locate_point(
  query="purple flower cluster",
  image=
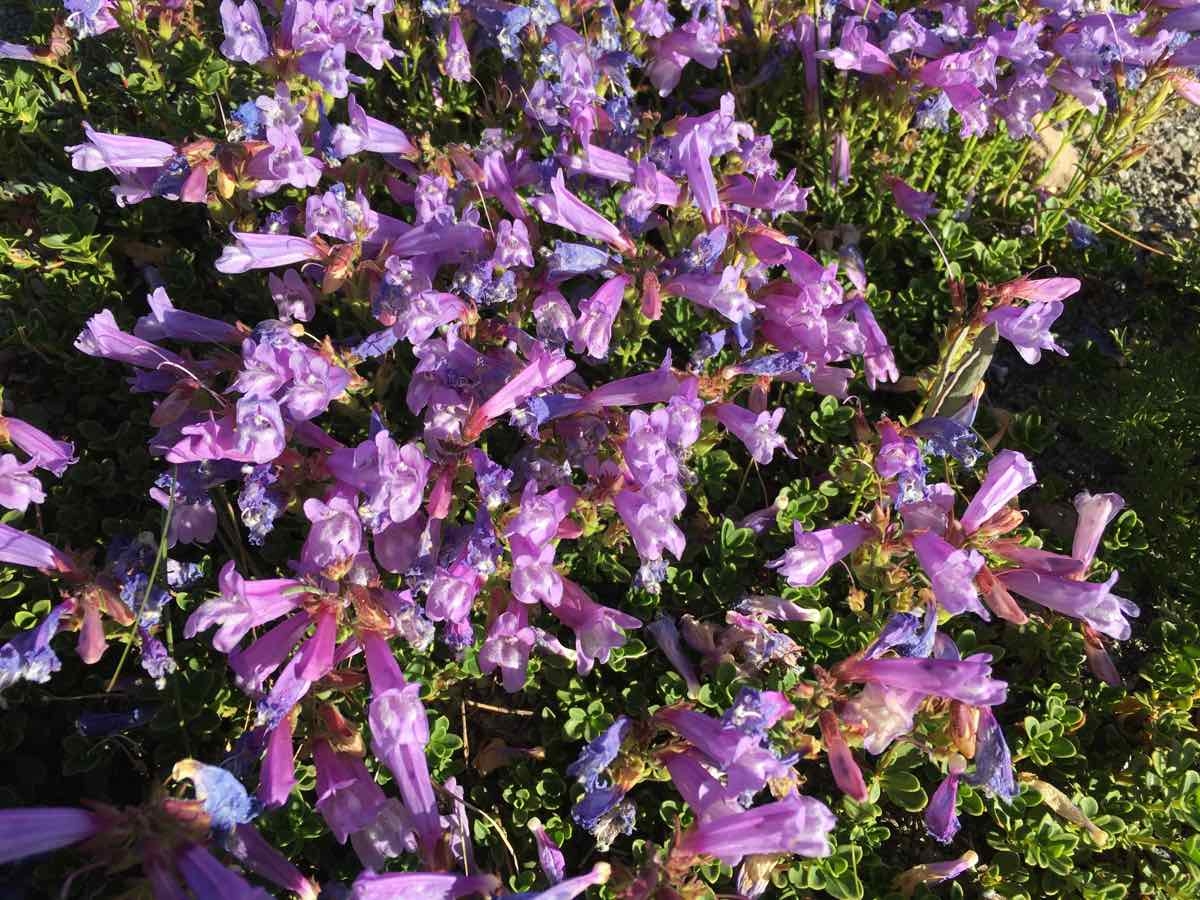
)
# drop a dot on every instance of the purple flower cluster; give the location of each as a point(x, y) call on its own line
point(955, 58)
point(503, 277)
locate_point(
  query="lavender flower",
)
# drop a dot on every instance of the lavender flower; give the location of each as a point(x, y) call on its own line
point(815, 552)
point(245, 38)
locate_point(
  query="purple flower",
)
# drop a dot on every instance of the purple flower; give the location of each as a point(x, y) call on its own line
point(935, 873)
point(772, 607)
point(284, 162)
point(598, 629)
point(1093, 603)
point(855, 53)
point(336, 533)
point(589, 768)
point(899, 457)
point(289, 689)
point(1039, 290)
point(47, 453)
point(22, 52)
point(367, 133)
point(694, 154)
point(435, 886)
point(278, 775)
point(399, 735)
point(993, 761)
point(241, 606)
point(102, 337)
point(458, 56)
point(652, 18)
point(724, 293)
point(766, 192)
point(39, 829)
point(1008, 474)
point(576, 886)
point(512, 244)
point(1028, 329)
point(736, 749)
point(1095, 511)
point(29, 656)
point(507, 646)
point(245, 38)
point(883, 713)
point(550, 857)
point(666, 635)
point(534, 579)
point(292, 295)
point(543, 371)
point(846, 773)
point(328, 68)
point(651, 527)
point(703, 792)
point(249, 847)
point(941, 821)
point(389, 836)
point(207, 877)
point(347, 797)
point(913, 203)
point(118, 152)
point(816, 551)
point(947, 437)
point(969, 680)
point(795, 824)
point(452, 593)
point(592, 331)
point(260, 433)
point(878, 358)
point(167, 322)
point(758, 431)
point(265, 251)
point(18, 486)
point(564, 209)
point(18, 548)
point(604, 811)
point(695, 41)
point(952, 573)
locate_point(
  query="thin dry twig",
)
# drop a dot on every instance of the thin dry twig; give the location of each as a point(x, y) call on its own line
point(487, 707)
point(516, 864)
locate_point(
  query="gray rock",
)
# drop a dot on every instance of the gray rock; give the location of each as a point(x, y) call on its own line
point(1165, 183)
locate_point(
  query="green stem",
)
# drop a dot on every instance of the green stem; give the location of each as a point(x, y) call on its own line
point(964, 157)
point(159, 556)
point(73, 78)
point(988, 156)
point(182, 720)
point(1016, 171)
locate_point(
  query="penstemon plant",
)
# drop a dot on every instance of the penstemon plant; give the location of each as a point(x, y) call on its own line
point(487, 440)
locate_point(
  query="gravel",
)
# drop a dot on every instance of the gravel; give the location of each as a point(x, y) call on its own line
point(1165, 183)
